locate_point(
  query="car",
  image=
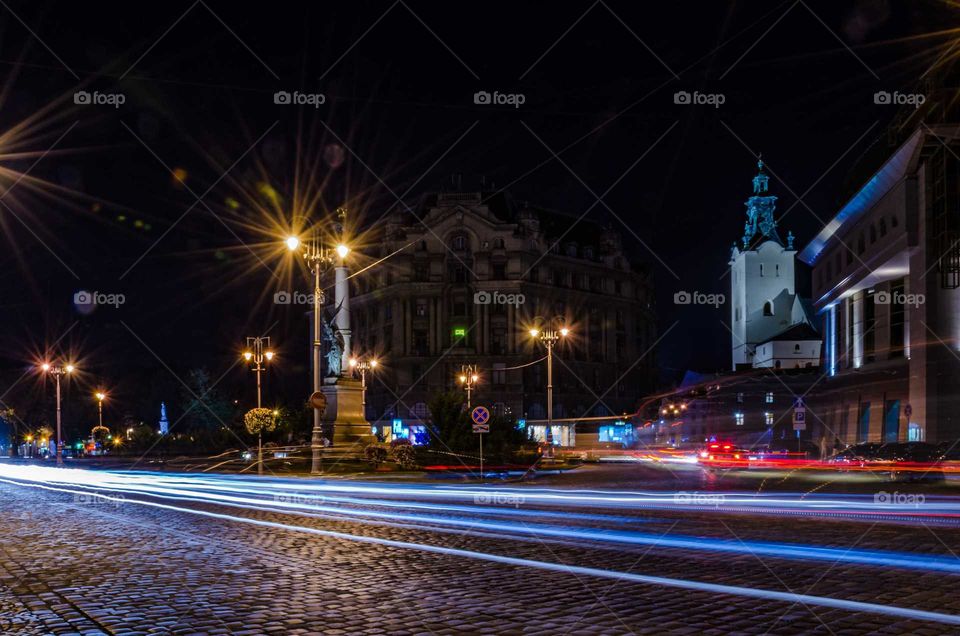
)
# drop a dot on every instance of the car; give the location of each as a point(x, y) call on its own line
point(855, 456)
point(723, 455)
point(910, 461)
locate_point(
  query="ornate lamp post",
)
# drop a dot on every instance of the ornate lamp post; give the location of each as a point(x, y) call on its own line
point(363, 366)
point(56, 371)
point(549, 338)
point(101, 396)
point(468, 378)
point(319, 259)
point(255, 353)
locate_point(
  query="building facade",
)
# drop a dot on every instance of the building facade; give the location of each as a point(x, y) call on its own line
point(886, 281)
point(472, 273)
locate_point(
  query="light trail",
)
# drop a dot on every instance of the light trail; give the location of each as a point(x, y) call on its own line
point(700, 586)
point(229, 495)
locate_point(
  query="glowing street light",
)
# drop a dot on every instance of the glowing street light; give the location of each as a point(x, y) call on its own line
point(363, 366)
point(319, 258)
point(57, 371)
point(549, 338)
point(101, 396)
point(468, 378)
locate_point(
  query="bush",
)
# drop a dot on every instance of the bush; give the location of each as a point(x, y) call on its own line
point(404, 453)
point(375, 454)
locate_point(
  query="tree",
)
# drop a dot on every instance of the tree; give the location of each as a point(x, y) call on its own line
point(257, 421)
point(204, 409)
point(451, 423)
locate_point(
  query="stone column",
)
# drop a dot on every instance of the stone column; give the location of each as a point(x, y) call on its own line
point(341, 303)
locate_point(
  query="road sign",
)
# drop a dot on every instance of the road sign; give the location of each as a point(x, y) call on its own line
point(481, 419)
point(800, 419)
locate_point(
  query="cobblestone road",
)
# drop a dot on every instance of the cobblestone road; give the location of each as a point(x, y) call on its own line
point(74, 563)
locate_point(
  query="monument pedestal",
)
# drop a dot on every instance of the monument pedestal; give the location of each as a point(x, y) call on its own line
point(344, 413)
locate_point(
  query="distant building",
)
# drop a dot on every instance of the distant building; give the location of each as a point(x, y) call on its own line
point(477, 270)
point(765, 310)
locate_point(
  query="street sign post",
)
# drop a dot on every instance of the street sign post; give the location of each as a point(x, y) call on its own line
point(799, 420)
point(481, 424)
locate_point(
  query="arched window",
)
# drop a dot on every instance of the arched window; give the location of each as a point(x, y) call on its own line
point(459, 242)
point(768, 308)
point(796, 348)
point(777, 269)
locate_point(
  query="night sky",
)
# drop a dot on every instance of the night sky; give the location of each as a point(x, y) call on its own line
point(101, 210)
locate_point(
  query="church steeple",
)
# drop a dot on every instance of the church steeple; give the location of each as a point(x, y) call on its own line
point(760, 208)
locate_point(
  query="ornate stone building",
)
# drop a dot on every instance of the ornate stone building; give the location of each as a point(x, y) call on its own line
point(474, 272)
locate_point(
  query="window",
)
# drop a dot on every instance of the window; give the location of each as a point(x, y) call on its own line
point(873, 234)
point(769, 397)
point(883, 227)
point(777, 268)
point(739, 398)
point(421, 272)
point(420, 411)
point(571, 249)
point(499, 376)
point(421, 345)
point(893, 221)
point(738, 418)
point(761, 269)
point(588, 253)
point(861, 244)
point(499, 271)
point(768, 419)
point(459, 242)
point(796, 348)
point(498, 243)
point(768, 308)
point(421, 307)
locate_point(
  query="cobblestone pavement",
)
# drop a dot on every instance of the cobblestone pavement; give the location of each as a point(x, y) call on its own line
point(75, 563)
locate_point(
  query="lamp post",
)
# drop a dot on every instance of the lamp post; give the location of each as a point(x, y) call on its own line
point(255, 353)
point(319, 259)
point(100, 395)
point(468, 377)
point(549, 338)
point(56, 371)
point(363, 366)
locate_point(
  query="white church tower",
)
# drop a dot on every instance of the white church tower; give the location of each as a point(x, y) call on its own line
point(763, 300)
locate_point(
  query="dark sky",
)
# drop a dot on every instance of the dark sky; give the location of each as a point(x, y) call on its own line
point(599, 79)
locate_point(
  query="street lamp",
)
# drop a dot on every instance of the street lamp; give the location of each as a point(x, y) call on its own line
point(319, 259)
point(258, 350)
point(468, 377)
point(56, 371)
point(549, 338)
point(101, 396)
point(255, 353)
point(363, 366)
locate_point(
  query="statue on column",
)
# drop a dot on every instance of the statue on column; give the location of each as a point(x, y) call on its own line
point(334, 339)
